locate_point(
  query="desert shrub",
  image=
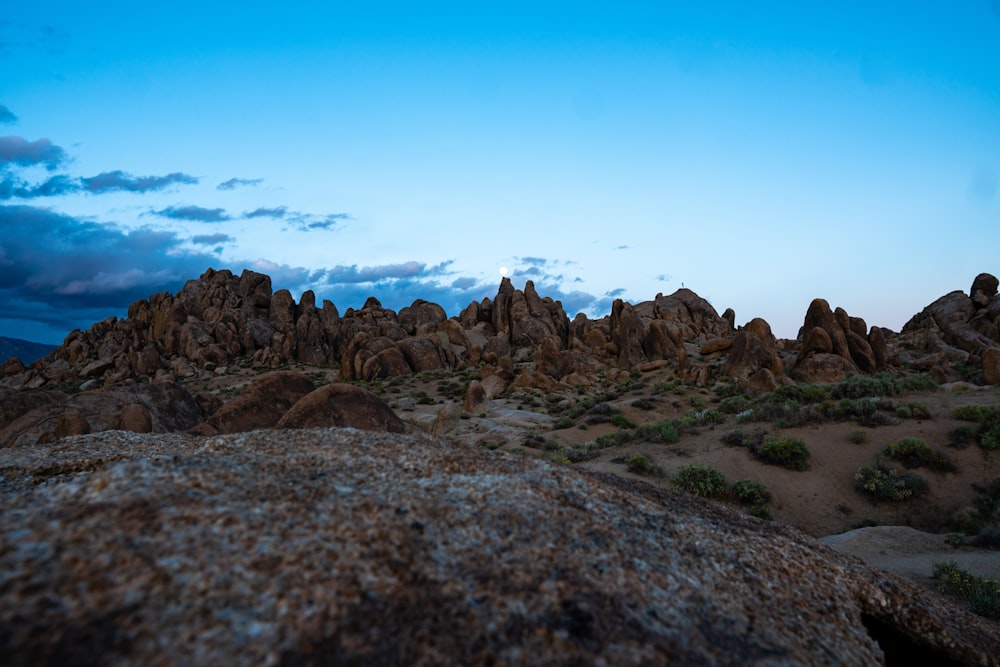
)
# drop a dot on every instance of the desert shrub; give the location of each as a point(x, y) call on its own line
point(790, 453)
point(619, 420)
point(740, 438)
point(919, 382)
point(728, 390)
point(761, 512)
point(858, 436)
point(913, 410)
point(643, 404)
point(803, 415)
point(614, 439)
point(696, 402)
point(915, 453)
point(640, 464)
point(991, 438)
point(976, 413)
point(861, 386)
point(788, 392)
point(663, 431)
point(881, 483)
point(563, 422)
point(980, 594)
point(701, 480)
point(877, 419)
point(733, 438)
point(962, 436)
point(772, 411)
point(734, 404)
point(750, 492)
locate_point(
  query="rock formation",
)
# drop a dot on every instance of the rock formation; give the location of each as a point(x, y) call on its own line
point(956, 330)
point(333, 546)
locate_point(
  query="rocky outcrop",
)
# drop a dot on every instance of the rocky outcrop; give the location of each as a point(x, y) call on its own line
point(342, 405)
point(157, 408)
point(336, 546)
point(956, 330)
point(755, 349)
point(261, 405)
point(833, 345)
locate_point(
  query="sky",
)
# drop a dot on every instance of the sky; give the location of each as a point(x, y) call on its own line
point(761, 154)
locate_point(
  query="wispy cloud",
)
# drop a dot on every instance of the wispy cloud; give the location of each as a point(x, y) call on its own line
point(278, 212)
point(234, 183)
point(119, 180)
point(19, 151)
point(6, 116)
point(11, 188)
point(211, 239)
point(615, 293)
point(194, 213)
point(306, 222)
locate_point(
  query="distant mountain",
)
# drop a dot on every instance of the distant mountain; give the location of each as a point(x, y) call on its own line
point(25, 350)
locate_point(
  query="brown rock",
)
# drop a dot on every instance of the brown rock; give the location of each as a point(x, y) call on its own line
point(876, 339)
point(261, 405)
point(761, 382)
point(475, 401)
point(342, 405)
point(71, 422)
point(749, 354)
point(861, 353)
point(626, 334)
point(359, 537)
point(820, 315)
point(817, 341)
point(134, 418)
point(12, 366)
point(985, 283)
point(716, 345)
point(421, 354)
point(991, 365)
point(822, 369)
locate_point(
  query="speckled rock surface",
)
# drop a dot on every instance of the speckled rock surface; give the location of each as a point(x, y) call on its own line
point(346, 547)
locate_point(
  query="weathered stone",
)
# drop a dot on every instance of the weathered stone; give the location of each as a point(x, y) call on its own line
point(342, 405)
point(261, 404)
point(134, 418)
point(985, 283)
point(421, 354)
point(821, 368)
point(991, 365)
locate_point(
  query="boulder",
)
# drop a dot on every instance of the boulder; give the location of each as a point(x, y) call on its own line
point(991, 365)
point(262, 403)
point(342, 405)
point(985, 284)
point(334, 546)
point(168, 405)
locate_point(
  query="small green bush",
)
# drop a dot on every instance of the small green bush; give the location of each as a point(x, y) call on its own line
point(696, 402)
point(643, 404)
point(734, 405)
point(701, 480)
point(963, 436)
point(921, 382)
point(619, 420)
point(858, 436)
point(614, 439)
point(564, 422)
point(991, 438)
point(750, 492)
point(663, 431)
point(790, 453)
point(881, 483)
point(915, 453)
point(980, 594)
point(913, 410)
point(976, 413)
point(862, 386)
point(640, 464)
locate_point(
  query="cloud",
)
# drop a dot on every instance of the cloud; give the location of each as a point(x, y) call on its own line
point(6, 115)
point(374, 274)
point(233, 183)
point(663, 278)
point(194, 213)
point(19, 151)
point(211, 239)
point(277, 212)
point(119, 180)
point(68, 272)
point(463, 283)
point(615, 293)
point(60, 184)
point(306, 222)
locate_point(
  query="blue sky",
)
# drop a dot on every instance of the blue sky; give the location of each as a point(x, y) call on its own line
point(762, 154)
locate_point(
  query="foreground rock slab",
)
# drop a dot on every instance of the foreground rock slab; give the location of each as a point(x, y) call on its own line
point(337, 546)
